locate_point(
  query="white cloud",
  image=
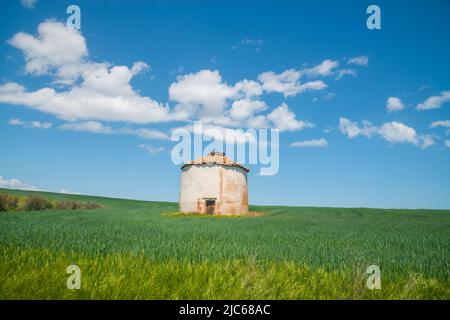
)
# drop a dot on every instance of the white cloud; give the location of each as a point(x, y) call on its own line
point(88, 126)
point(29, 4)
point(150, 149)
point(285, 120)
point(288, 83)
point(97, 91)
point(138, 67)
point(248, 88)
point(426, 141)
point(285, 82)
point(258, 122)
point(56, 49)
point(245, 108)
point(394, 104)
point(440, 123)
point(324, 69)
point(359, 60)
point(447, 143)
point(30, 124)
point(203, 89)
point(15, 184)
point(90, 93)
point(394, 132)
point(315, 143)
point(434, 102)
point(90, 102)
point(312, 85)
point(225, 105)
point(352, 129)
point(39, 125)
point(346, 72)
point(398, 132)
point(97, 127)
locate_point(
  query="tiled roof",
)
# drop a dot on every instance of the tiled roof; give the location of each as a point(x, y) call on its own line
point(215, 158)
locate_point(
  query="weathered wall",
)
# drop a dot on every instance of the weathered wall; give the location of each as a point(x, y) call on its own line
point(227, 184)
point(234, 191)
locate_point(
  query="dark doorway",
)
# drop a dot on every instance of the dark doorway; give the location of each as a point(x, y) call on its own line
point(210, 206)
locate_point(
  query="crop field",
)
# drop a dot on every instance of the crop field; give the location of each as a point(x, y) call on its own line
point(141, 250)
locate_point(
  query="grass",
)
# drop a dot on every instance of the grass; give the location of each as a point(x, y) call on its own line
point(133, 249)
point(179, 214)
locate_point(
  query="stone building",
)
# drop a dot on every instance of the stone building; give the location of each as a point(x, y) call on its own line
point(214, 184)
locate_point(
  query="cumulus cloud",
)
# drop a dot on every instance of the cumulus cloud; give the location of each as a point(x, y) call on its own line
point(288, 82)
point(285, 120)
point(56, 49)
point(256, 122)
point(204, 88)
point(394, 104)
point(398, 132)
point(96, 91)
point(245, 108)
point(315, 143)
point(434, 102)
point(394, 132)
point(15, 184)
point(218, 103)
point(285, 82)
point(139, 67)
point(30, 124)
point(323, 69)
point(90, 93)
point(206, 95)
point(353, 129)
point(359, 60)
point(248, 89)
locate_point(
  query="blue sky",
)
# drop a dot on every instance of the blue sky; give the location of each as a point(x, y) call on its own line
point(379, 99)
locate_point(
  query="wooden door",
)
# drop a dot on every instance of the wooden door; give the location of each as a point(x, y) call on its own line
point(210, 206)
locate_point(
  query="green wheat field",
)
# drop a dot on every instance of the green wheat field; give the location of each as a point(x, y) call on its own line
point(141, 250)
